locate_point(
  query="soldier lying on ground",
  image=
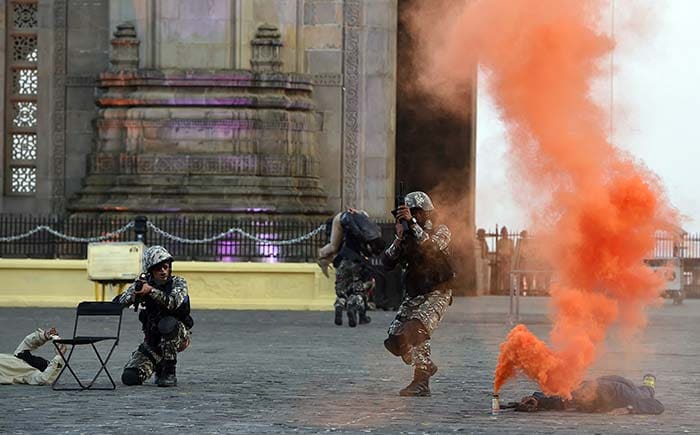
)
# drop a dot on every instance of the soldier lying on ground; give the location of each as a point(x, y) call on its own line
point(24, 368)
point(612, 394)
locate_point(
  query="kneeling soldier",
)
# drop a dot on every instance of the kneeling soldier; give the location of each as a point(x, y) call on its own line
point(166, 320)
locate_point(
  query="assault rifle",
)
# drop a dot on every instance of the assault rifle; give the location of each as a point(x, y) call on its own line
point(401, 200)
point(140, 281)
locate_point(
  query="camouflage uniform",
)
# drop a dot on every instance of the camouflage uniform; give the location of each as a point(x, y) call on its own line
point(423, 254)
point(353, 280)
point(165, 318)
point(429, 310)
point(352, 286)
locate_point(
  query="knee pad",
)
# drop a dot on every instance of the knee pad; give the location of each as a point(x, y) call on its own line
point(131, 376)
point(396, 344)
point(167, 326)
point(414, 332)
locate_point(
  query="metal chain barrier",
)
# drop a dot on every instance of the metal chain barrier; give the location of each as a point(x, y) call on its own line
point(66, 236)
point(239, 231)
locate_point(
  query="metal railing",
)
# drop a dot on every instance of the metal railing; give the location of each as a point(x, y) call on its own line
point(201, 239)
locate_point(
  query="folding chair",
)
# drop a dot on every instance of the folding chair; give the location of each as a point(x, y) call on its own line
point(103, 309)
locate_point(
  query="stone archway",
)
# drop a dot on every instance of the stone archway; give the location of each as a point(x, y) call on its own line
point(434, 148)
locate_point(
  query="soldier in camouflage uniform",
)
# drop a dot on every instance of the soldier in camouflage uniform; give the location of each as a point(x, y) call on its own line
point(423, 253)
point(353, 282)
point(352, 287)
point(166, 320)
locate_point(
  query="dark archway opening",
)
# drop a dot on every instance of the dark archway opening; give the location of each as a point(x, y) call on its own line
point(435, 150)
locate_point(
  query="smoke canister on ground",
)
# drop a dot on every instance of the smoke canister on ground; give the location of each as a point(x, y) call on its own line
point(495, 405)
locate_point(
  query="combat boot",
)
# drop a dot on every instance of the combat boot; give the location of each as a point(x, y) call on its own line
point(420, 385)
point(338, 316)
point(364, 318)
point(352, 317)
point(158, 373)
point(168, 378)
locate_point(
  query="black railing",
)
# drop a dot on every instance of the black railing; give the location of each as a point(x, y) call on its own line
point(231, 247)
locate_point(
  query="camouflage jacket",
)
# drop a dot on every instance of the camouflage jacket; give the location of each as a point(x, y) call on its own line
point(425, 258)
point(168, 296)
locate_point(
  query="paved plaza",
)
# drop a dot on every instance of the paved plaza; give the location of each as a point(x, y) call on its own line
point(296, 372)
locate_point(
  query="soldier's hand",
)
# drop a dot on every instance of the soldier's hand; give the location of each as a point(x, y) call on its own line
point(403, 213)
point(399, 230)
point(146, 289)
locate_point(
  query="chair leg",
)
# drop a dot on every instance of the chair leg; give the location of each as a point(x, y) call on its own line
point(66, 365)
point(103, 367)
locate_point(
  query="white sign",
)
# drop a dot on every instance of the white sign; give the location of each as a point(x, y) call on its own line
point(120, 261)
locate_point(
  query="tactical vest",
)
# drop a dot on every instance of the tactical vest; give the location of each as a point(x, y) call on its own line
point(154, 311)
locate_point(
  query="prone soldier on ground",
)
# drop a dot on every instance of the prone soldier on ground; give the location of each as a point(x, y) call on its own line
point(423, 252)
point(607, 394)
point(22, 367)
point(165, 316)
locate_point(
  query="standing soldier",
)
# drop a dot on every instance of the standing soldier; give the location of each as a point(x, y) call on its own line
point(351, 241)
point(166, 320)
point(423, 253)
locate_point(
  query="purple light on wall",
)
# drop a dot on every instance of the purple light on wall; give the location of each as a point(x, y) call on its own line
point(227, 250)
point(268, 252)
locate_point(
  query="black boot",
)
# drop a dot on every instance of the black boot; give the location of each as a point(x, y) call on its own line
point(168, 378)
point(352, 317)
point(364, 318)
point(420, 386)
point(158, 373)
point(338, 316)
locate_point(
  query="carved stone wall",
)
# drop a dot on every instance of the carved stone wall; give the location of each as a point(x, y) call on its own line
point(204, 141)
point(352, 18)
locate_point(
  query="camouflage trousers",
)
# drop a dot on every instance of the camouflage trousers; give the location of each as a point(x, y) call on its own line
point(351, 287)
point(429, 309)
point(146, 358)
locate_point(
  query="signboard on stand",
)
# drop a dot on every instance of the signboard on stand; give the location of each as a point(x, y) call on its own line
point(114, 263)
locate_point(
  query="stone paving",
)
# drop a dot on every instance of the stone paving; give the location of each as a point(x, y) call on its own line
point(296, 372)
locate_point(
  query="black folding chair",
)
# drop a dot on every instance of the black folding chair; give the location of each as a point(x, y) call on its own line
point(93, 309)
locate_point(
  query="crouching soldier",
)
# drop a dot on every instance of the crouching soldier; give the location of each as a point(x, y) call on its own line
point(165, 315)
point(423, 252)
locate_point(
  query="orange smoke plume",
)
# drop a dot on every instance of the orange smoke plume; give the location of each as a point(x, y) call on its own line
point(599, 207)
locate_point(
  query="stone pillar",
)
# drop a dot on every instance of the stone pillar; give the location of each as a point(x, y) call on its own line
point(266, 49)
point(125, 48)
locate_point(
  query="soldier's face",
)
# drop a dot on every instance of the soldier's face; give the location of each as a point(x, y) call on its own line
point(161, 272)
point(420, 215)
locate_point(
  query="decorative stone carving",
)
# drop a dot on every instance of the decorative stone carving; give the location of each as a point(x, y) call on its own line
point(125, 48)
point(204, 141)
point(266, 49)
point(352, 13)
point(58, 140)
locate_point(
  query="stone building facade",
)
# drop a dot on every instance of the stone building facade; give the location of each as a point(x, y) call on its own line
point(87, 127)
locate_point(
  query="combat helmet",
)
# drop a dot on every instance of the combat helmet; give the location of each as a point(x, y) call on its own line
point(420, 200)
point(154, 255)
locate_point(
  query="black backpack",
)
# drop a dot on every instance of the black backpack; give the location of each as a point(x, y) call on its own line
point(364, 231)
